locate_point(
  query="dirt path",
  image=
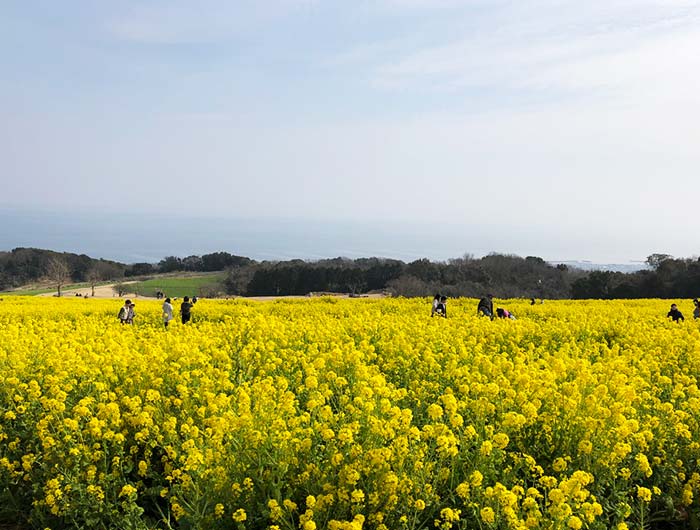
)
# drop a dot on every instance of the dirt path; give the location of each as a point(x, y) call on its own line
point(101, 291)
point(107, 291)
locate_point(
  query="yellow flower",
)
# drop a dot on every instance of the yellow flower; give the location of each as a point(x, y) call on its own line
point(357, 496)
point(488, 515)
point(644, 493)
point(574, 522)
point(127, 491)
point(559, 464)
point(585, 447)
point(486, 448)
point(434, 411)
point(501, 440)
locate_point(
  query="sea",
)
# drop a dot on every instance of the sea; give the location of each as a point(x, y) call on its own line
point(142, 237)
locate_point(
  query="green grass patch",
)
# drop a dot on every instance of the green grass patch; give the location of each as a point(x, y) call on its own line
point(207, 285)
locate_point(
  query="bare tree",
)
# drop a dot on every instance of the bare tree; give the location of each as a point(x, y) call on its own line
point(93, 276)
point(58, 272)
point(96, 274)
point(119, 288)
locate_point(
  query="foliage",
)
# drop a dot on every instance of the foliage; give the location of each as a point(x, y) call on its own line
point(22, 266)
point(668, 278)
point(216, 261)
point(495, 273)
point(503, 275)
point(348, 414)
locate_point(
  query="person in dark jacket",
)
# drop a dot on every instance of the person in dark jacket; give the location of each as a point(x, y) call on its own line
point(485, 306)
point(675, 314)
point(185, 308)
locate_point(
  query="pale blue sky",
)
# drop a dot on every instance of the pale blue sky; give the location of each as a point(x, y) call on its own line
point(568, 121)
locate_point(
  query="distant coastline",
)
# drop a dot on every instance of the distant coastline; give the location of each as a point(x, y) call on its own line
point(133, 238)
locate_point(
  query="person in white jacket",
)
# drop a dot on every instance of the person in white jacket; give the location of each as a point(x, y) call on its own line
point(167, 312)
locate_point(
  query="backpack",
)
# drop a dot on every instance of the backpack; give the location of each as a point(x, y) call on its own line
point(122, 313)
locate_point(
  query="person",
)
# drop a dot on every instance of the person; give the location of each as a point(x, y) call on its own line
point(441, 308)
point(485, 306)
point(194, 300)
point(675, 314)
point(696, 311)
point(504, 313)
point(185, 310)
point(131, 313)
point(167, 312)
point(532, 301)
point(124, 312)
point(436, 301)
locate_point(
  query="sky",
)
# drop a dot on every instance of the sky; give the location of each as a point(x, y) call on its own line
point(562, 129)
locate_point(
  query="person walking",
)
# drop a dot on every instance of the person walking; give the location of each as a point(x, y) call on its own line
point(131, 313)
point(185, 310)
point(167, 312)
point(124, 312)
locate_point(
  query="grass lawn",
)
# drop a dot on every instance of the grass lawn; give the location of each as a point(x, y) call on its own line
point(179, 287)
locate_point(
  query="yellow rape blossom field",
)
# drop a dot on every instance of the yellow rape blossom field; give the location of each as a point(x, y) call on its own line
point(348, 414)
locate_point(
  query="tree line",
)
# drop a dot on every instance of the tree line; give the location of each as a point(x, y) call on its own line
point(23, 266)
point(504, 276)
point(666, 277)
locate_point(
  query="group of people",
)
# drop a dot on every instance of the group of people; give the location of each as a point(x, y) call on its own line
point(485, 308)
point(676, 315)
point(439, 308)
point(126, 312)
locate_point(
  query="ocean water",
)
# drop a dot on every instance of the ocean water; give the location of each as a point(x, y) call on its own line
point(133, 238)
point(136, 237)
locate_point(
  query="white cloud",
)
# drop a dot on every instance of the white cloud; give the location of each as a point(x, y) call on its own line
point(546, 46)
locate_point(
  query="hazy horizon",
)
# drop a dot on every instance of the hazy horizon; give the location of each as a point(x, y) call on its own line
point(133, 238)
